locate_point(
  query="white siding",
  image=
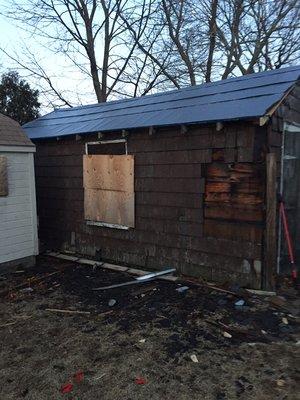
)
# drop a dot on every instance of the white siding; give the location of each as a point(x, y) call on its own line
point(18, 230)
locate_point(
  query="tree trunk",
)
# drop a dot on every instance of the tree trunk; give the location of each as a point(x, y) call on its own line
point(212, 39)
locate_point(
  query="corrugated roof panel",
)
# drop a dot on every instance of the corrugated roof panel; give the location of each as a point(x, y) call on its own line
point(236, 98)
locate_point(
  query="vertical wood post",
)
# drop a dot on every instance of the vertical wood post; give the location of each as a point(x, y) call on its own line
point(270, 231)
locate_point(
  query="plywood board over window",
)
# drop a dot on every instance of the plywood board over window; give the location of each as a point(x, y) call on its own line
point(108, 182)
point(3, 177)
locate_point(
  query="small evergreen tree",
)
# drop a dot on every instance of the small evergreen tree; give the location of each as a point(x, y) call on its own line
point(17, 99)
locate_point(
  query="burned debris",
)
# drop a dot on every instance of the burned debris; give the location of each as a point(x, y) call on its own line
point(182, 320)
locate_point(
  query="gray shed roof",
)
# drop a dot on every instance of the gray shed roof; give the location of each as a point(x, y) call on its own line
point(249, 96)
point(11, 133)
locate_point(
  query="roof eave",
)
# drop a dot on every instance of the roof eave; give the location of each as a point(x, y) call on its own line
point(265, 118)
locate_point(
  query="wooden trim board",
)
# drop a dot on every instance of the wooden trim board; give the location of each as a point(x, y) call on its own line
point(112, 267)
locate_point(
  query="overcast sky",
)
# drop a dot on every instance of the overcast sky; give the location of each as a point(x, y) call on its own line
point(14, 40)
point(65, 61)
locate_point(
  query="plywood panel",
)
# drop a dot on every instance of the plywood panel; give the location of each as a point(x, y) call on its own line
point(109, 172)
point(109, 189)
point(112, 207)
point(3, 177)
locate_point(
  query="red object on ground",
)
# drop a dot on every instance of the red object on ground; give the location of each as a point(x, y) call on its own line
point(79, 376)
point(66, 388)
point(288, 239)
point(140, 381)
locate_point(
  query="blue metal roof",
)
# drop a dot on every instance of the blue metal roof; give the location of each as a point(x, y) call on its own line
point(249, 96)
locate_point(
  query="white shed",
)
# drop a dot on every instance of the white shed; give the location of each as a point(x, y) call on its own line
point(18, 220)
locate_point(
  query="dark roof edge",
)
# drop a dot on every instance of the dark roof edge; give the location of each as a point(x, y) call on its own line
point(251, 118)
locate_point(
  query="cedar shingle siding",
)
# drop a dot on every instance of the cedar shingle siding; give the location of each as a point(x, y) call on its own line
point(200, 188)
point(186, 215)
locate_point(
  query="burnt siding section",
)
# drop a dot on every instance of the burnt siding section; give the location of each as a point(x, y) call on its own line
point(234, 195)
point(174, 224)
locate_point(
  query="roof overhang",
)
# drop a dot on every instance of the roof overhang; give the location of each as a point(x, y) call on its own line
point(265, 118)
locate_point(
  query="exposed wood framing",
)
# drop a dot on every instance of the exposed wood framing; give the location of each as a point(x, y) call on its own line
point(273, 109)
point(99, 142)
point(263, 120)
point(270, 232)
point(106, 225)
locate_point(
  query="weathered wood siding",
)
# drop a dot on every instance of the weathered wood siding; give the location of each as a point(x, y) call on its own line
point(18, 230)
point(198, 201)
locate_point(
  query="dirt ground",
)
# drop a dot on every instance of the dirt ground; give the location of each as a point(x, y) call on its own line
point(151, 332)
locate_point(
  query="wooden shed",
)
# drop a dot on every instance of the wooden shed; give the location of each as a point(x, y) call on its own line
point(18, 219)
point(185, 179)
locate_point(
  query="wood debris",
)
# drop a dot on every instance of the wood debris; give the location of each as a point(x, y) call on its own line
point(58, 310)
point(194, 358)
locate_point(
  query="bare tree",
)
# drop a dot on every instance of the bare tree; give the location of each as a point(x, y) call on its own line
point(89, 32)
point(153, 57)
point(215, 39)
point(175, 16)
point(27, 61)
point(258, 35)
point(212, 38)
point(134, 47)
